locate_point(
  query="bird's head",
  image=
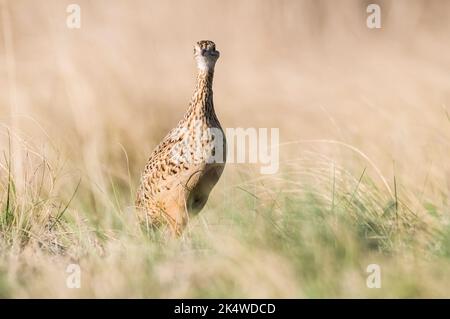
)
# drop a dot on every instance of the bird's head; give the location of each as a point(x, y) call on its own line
point(206, 55)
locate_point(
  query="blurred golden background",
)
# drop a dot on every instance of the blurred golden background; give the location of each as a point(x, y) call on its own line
point(311, 68)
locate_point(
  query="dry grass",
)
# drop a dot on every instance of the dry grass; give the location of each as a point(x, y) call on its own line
point(364, 126)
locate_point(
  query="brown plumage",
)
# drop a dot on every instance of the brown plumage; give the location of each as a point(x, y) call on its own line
point(188, 162)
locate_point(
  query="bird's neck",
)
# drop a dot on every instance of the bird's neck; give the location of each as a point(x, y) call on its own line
point(202, 99)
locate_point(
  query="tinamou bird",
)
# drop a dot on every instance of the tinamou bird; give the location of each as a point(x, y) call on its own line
point(188, 162)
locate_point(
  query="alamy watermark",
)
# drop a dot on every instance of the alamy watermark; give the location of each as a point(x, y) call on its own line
point(235, 145)
point(374, 19)
point(73, 20)
point(73, 280)
point(374, 279)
